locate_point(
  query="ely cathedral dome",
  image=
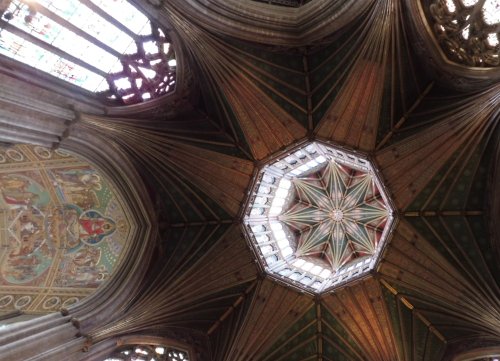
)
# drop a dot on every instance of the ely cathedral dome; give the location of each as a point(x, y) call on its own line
point(235, 180)
point(319, 217)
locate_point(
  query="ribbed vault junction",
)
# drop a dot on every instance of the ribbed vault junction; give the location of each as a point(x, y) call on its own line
point(318, 217)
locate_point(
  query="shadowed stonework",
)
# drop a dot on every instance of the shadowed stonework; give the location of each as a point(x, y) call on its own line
point(318, 217)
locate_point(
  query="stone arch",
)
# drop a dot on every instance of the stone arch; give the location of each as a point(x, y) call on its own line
point(75, 320)
point(64, 229)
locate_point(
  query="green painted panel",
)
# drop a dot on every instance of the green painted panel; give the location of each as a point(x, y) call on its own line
point(406, 324)
point(480, 229)
point(180, 194)
point(420, 334)
point(443, 244)
point(298, 342)
point(333, 331)
point(332, 353)
point(328, 68)
point(187, 245)
point(478, 195)
point(280, 74)
point(461, 231)
point(215, 104)
point(420, 200)
point(392, 308)
point(435, 348)
point(432, 106)
point(288, 344)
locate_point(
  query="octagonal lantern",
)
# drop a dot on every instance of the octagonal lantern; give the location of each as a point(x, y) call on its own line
point(318, 217)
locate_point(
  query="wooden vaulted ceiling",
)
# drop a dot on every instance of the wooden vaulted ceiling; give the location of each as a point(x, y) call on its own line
point(437, 288)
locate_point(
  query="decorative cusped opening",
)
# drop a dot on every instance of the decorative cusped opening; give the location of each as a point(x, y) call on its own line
point(467, 30)
point(318, 217)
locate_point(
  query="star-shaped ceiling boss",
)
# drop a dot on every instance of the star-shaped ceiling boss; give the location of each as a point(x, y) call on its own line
point(318, 217)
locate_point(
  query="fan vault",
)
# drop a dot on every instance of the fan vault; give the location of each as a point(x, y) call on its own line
point(256, 82)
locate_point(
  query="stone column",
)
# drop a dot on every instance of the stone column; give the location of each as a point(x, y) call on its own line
point(32, 114)
point(50, 337)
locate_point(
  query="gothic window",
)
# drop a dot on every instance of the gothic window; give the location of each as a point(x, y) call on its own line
point(468, 30)
point(104, 46)
point(148, 353)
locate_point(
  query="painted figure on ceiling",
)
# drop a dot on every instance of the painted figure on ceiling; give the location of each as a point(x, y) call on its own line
point(78, 186)
point(94, 227)
point(21, 191)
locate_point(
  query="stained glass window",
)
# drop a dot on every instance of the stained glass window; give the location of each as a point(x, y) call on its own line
point(318, 217)
point(468, 30)
point(148, 353)
point(119, 54)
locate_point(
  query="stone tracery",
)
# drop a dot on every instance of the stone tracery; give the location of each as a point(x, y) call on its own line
point(468, 30)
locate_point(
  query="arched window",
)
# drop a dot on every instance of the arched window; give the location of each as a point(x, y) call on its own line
point(468, 30)
point(148, 353)
point(104, 46)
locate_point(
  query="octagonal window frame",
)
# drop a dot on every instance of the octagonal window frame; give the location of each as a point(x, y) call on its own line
point(302, 158)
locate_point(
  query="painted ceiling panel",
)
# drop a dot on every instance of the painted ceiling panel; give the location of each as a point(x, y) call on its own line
point(181, 247)
point(266, 128)
point(360, 309)
point(174, 158)
point(329, 67)
point(461, 183)
point(263, 322)
point(63, 228)
point(410, 164)
point(457, 301)
point(337, 340)
point(192, 286)
point(299, 342)
point(181, 203)
point(415, 340)
point(280, 74)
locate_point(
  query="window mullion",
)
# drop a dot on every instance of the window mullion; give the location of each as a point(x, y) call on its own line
point(111, 19)
point(43, 10)
point(50, 48)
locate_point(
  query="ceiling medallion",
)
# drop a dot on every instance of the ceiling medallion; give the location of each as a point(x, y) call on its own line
point(318, 217)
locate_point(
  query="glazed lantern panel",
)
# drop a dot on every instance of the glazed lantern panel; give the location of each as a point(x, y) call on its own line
point(318, 217)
